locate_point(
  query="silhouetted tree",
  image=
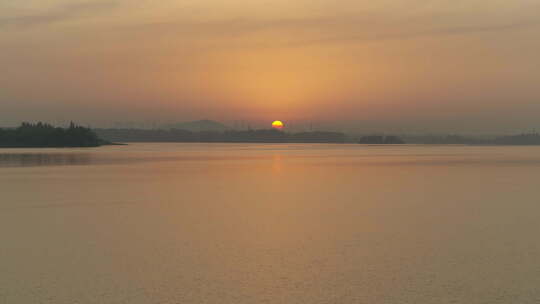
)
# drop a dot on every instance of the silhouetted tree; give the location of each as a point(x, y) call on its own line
point(45, 135)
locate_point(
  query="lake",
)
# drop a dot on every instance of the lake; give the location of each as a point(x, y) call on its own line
point(270, 223)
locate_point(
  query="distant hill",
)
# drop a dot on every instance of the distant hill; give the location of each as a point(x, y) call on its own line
point(198, 125)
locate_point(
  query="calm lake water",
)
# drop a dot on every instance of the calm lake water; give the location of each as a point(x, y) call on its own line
point(270, 223)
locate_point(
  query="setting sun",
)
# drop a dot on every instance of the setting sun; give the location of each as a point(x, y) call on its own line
point(277, 125)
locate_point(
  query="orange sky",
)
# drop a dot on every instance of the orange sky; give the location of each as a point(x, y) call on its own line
point(400, 65)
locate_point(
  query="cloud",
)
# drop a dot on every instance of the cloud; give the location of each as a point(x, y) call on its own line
point(59, 14)
point(325, 30)
point(409, 34)
point(241, 29)
point(329, 28)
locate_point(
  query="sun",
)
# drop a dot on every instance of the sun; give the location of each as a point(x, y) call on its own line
point(277, 125)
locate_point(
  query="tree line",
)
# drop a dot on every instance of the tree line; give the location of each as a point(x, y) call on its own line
point(178, 135)
point(45, 135)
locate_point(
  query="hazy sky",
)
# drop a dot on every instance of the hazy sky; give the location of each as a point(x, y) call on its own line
point(389, 65)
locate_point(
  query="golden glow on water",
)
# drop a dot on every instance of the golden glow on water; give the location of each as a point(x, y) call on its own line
point(270, 223)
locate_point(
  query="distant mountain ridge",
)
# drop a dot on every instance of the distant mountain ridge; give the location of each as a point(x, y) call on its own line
point(197, 125)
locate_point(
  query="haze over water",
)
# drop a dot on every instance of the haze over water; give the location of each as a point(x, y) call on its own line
point(260, 223)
